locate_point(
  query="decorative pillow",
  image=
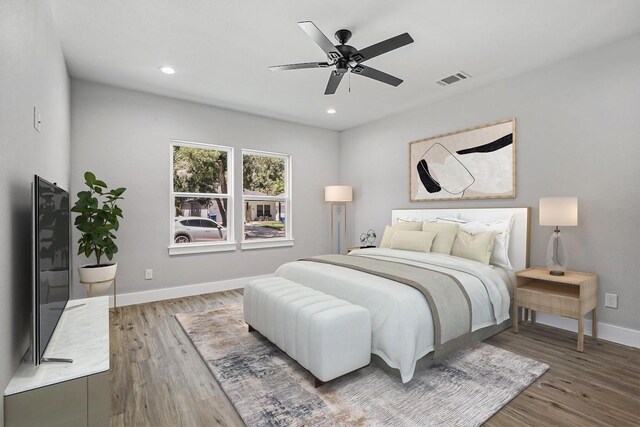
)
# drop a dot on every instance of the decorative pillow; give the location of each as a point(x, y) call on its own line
point(386, 237)
point(408, 225)
point(446, 234)
point(475, 246)
point(404, 226)
point(417, 241)
point(502, 227)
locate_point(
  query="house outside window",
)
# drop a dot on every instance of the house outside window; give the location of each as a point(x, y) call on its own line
point(266, 194)
point(201, 203)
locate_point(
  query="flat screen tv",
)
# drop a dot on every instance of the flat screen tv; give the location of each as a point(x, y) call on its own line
point(51, 237)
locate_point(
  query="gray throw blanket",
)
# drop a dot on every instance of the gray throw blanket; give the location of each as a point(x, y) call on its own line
point(449, 302)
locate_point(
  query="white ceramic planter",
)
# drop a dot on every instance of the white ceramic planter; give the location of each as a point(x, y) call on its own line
point(97, 279)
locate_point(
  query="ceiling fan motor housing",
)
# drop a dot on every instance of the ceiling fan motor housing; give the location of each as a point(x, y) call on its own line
point(343, 36)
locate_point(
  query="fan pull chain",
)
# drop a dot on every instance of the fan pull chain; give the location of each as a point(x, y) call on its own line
point(349, 82)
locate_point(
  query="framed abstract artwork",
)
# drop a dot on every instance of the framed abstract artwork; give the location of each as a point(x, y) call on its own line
point(476, 163)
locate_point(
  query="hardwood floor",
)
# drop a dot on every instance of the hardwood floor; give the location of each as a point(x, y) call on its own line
point(158, 378)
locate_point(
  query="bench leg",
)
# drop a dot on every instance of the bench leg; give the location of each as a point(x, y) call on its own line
point(318, 383)
point(250, 328)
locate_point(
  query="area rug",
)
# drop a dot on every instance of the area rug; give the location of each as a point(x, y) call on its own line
point(268, 388)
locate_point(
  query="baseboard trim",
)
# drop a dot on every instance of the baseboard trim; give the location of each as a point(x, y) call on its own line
point(181, 291)
point(617, 334)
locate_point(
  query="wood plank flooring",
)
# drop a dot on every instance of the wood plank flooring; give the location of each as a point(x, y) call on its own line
point(158, 378)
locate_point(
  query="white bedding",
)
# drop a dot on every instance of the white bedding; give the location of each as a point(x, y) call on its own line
point(401, 322)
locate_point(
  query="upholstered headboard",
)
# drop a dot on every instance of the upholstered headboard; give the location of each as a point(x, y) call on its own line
point(520, 232)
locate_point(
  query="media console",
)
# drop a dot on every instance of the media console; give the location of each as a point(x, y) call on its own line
point(69, 394)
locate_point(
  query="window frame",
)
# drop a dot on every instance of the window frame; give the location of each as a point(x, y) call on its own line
point(274, 242)
point(201, 247)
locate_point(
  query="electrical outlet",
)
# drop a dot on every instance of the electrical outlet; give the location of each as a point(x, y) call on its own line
point(611, 300)
point(148, 274)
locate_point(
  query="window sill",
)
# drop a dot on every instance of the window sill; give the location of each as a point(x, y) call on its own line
point(200, 248)
point(266, 243)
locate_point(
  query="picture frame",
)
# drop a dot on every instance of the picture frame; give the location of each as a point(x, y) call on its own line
point(473, 163)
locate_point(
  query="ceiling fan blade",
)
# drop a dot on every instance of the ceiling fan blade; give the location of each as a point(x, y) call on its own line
point(374, 74)
point(334, 81)
point(384, 47)
point(320, 39)
point(300, 66)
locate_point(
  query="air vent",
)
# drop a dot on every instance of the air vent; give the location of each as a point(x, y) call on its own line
point(453, 78)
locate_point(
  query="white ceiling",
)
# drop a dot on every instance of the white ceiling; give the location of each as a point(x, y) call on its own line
point(222, 49)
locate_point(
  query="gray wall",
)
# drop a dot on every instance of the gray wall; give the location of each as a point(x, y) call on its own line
point(578, 130)
point(32, 73)
point(124, 137)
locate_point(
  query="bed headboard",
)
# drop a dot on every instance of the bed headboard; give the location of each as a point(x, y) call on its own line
point(520, 232)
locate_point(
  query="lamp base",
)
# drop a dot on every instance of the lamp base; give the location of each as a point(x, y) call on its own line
point(557, 254)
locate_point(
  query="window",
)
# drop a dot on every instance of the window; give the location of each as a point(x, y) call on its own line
point(266, 190)
point(201, 198)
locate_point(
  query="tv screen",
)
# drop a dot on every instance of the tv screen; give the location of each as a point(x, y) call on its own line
point(51, 245)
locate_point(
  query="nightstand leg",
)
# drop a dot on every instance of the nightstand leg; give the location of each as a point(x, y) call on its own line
point(525, 317)
point(533, 316)
point(580, 334)
point(594, 325)
point(516, 312)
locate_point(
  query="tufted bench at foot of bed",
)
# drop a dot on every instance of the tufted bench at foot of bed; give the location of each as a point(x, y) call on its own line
point(328, 336)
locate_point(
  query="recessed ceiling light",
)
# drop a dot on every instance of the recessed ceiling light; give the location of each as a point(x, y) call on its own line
point(167, 70)
point(331, 111)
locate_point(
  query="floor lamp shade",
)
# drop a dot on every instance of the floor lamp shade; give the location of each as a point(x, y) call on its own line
point(338, 196)
point(556, 212)
point(338, 193)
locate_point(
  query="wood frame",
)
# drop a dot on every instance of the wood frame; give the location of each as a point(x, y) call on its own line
point(450, 148)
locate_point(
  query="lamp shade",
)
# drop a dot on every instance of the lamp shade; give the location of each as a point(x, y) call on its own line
point(338, 193)
point(559, 211)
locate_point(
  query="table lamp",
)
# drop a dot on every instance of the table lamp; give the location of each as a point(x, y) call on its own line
point(338, 195)
point(556, 212)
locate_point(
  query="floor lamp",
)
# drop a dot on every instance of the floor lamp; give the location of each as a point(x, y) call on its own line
point(338, 196)
point(555, 212)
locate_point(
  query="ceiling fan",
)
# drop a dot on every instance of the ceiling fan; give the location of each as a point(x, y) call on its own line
point(347, 58)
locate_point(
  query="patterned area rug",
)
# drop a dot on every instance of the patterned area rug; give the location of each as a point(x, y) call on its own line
point(268, 388)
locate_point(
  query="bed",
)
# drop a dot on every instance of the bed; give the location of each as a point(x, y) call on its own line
point(402, 322)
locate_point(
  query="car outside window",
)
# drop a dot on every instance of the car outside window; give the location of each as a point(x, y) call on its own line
point(201, 193)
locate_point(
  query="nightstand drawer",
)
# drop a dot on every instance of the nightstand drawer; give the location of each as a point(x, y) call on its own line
point(559, 300)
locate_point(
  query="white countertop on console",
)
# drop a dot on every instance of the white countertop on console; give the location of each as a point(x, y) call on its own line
point(82, 334)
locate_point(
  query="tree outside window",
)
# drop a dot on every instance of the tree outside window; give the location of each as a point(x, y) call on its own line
point(265, 190)
point(200, 190)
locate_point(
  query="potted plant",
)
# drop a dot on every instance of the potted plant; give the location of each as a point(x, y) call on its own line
point(97, 220)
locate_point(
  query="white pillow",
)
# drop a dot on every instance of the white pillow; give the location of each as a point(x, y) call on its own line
point(450, 219)
point(417, 241)
point(502, 227)
point(476, 246)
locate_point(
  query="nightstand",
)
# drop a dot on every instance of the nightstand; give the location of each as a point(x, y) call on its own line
point(572, 295)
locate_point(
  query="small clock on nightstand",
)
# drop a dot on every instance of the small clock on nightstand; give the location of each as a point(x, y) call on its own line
point(572, 295)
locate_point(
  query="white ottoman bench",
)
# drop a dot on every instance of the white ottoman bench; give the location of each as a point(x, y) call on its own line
point(328, 336)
